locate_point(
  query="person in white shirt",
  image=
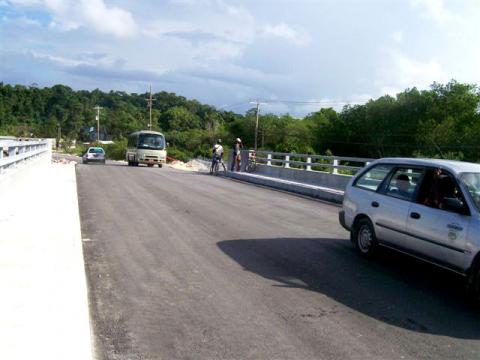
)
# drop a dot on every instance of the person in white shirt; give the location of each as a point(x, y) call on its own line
point(217, 153)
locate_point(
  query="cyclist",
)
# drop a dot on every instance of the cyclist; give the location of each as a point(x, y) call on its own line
point(217, 154)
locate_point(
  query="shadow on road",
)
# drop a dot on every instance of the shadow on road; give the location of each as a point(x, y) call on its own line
point(393, 288)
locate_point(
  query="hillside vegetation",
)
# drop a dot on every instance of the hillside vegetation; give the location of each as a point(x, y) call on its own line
point(443, 121)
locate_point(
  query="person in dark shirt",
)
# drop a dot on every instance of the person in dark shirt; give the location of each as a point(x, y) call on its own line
point(237, 147)
point(403, 184)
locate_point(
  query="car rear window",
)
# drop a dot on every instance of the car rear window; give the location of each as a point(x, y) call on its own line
point(96, 151)
point(372, 179)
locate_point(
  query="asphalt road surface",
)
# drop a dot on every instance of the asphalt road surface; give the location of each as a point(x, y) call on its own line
point(189, 266)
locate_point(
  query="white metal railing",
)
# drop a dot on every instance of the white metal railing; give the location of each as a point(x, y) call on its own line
point(13, 152)
point(308, 162)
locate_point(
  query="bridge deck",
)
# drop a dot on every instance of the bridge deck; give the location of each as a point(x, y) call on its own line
point(44, 304)
point(186, 265)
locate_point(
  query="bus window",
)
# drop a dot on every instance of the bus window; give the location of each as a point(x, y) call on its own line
point(132, 141)
point(150, 141)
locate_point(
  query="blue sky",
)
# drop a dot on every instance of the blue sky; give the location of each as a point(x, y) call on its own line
point(225, 52)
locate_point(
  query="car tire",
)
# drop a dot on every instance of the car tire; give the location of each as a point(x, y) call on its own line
point(364, 239)
point(473, 282)
point(160, 165)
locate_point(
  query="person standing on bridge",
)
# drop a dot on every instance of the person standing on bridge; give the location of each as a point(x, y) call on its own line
point(217, 154)
point(237, 148)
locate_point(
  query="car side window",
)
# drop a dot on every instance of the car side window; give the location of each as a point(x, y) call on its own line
point(372, 179)
point(404, 183)
point(440, 190)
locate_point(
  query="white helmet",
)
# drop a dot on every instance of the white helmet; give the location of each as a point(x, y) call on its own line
point(238, 140)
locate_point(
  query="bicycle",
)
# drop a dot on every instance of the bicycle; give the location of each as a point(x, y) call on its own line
point(252, 162)
point(215, 167)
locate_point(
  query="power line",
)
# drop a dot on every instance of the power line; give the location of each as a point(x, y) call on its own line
point(315, 102)
point(306, 102)
point(299, 102)
point(233, 105)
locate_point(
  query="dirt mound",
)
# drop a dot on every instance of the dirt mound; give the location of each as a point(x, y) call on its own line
point(192, 165)
point(63, 161)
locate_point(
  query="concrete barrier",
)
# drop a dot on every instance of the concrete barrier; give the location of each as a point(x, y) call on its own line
point(14, 153)
point(318, 192)
point(333, 181)
point(330, 172)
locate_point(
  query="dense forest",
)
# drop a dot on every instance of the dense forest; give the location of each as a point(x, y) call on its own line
point(443, 121)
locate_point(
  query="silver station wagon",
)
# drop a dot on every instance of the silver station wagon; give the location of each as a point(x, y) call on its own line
point(426, 208)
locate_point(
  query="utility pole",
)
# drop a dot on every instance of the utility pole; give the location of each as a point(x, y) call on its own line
point(258, 103)
point(150, 103)
point(59, 134)
point(97, 117)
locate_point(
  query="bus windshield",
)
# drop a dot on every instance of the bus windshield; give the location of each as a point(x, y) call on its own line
point(151, 141)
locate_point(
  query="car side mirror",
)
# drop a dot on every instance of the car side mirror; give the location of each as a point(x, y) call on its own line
point(453, 204)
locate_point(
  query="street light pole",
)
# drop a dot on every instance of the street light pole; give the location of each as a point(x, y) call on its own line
point(97, 117)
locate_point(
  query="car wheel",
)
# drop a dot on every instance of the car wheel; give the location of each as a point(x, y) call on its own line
point(473, 283)
point(364, 239)
point(160, 165)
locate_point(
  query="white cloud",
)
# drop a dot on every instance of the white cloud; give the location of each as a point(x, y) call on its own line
point(434, 9)
point(22, 21)
point(405, 72)
point(25, 2)
point(283, 31)
point(397, 36)
point(90, 14)
point(216, 50)
point(210, 31)
point(215, 17)
point(59, 60)
point(225, 51)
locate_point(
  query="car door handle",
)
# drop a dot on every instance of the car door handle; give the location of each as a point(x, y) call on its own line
point(455, 227)
point(375, 204)
point(415, 215)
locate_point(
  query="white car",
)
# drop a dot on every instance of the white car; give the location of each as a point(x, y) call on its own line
point(94, 154)
point(426, 208)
